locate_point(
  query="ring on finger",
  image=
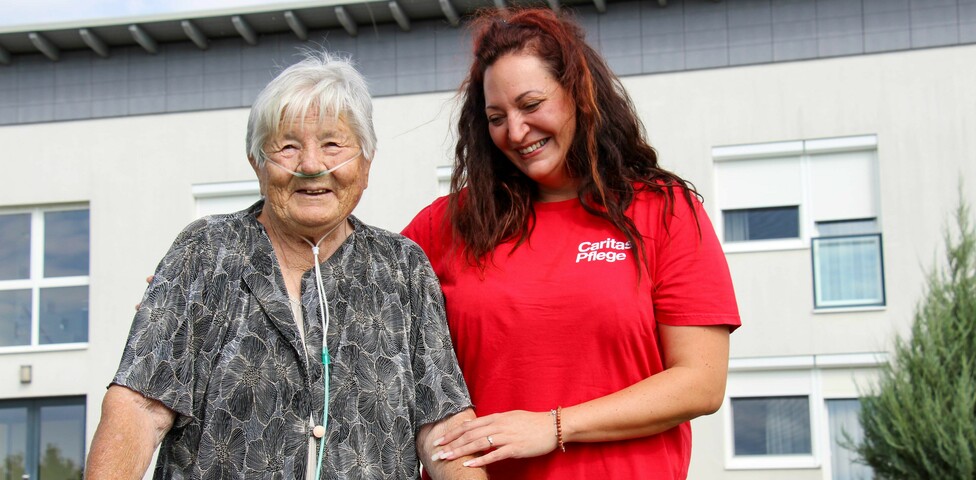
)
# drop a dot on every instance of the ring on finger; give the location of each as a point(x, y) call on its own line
point(491, 443)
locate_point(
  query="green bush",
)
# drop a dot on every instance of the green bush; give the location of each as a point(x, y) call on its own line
point(920, 423)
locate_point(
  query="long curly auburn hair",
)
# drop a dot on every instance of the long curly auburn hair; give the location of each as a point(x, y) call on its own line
point(491, 199)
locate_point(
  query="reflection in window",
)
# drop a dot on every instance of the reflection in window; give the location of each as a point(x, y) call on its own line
point(42, 438)
point(13, 441)
point(845, 429)
point(66, 243)
point(771, 426)
point(15, 246)
point(44, 268)
point(62, 441)
point(64, 315)
point(15, 317)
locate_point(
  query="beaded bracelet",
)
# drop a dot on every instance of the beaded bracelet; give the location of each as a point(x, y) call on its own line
point(557, 419)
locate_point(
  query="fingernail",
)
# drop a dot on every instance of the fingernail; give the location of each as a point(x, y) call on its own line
point(437, 442)
point(446, 455)
point(467, 463)
point(436, 456)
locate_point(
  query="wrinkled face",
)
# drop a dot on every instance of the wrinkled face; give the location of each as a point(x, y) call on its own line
point(312, 206)
point(532, 120)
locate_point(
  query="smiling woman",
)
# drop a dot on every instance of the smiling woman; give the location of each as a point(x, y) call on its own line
point(586, 291)
point(312, 179)
point(250, 315)
point(532, 120)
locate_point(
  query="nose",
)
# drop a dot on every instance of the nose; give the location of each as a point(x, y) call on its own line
point(310, 160)
point(517, 129)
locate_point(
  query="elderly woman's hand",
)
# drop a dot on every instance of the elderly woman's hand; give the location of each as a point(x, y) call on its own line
point(515, 434)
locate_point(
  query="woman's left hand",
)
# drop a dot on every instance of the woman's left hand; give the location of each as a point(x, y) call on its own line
point(515, 434)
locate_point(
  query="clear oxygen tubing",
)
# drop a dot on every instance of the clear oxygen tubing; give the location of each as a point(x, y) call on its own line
point(325, 317)
point(324, 313)
point(317, 174)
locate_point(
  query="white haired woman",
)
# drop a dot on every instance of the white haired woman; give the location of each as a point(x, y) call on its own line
point(225, 364)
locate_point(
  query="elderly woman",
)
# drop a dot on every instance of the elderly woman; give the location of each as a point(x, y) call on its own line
point(226, 363)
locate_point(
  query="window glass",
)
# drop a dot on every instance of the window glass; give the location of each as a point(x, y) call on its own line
point(15, 318)
point(761, 223)
point(62, 441)
point(844, 428)
point(64, 315)
point(42, 438)
point(847, 227)
point(771, 425)
point(13, 442)
point(15, 246)
point(66, 243)
point(847, 271)
point(44, 277)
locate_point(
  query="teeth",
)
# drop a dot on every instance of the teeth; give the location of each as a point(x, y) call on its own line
point(315, 192)
point(535, 146)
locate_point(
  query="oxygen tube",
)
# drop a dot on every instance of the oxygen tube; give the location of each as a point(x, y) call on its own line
point(325, 316)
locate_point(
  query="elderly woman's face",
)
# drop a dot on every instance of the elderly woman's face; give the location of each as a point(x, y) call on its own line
point(312, 206)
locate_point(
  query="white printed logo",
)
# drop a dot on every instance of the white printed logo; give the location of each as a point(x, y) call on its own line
point(608, 250)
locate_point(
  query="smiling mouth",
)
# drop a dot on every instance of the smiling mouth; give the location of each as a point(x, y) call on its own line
point(531, 148)
point(315, 192)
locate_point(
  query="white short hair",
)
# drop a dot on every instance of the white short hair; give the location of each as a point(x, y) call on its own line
point(320, 81)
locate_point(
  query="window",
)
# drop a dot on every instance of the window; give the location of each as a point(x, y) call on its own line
point(821, 194)
point(44, 277)
point(444, 179)
point(771, 426)
point(844, 426)
point(761, 223)
point(775, 195)
point(847, 270)
point(42, 438)
point(770, 415)
point(792, 413)
point(226, 197)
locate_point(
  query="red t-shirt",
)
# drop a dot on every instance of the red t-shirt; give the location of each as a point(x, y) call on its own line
point(564, 319)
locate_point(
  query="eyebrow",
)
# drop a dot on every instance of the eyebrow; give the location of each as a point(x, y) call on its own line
point(327, 134)
point(518, 98)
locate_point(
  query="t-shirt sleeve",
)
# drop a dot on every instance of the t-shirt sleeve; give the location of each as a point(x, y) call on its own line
point(420, 229)
point(691, 280)
point(440, 387)
point(159, 356)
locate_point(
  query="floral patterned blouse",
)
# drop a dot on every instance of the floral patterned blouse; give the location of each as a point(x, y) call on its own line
point(216, 342)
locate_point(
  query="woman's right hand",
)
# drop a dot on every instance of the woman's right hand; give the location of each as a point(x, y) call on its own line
point(514, 434)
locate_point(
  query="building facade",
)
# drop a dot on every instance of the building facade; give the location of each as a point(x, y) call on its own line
point(828, 138)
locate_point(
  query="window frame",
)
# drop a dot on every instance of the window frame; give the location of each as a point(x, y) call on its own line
point(33, 407)
point(828, 467)
point(36, 280)
point(815, 268)
point(819, 377)
point(203, 193)
point(789, 382)
point(804, 150)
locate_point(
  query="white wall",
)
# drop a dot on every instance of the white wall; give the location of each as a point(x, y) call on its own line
point(137, 173)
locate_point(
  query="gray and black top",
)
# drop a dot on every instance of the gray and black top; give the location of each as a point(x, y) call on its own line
point(215, 341)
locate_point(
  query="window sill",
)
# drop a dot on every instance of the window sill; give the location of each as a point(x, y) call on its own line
point(765, 245)
point(60, 347)
point(772, 462)
point(828, 310)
